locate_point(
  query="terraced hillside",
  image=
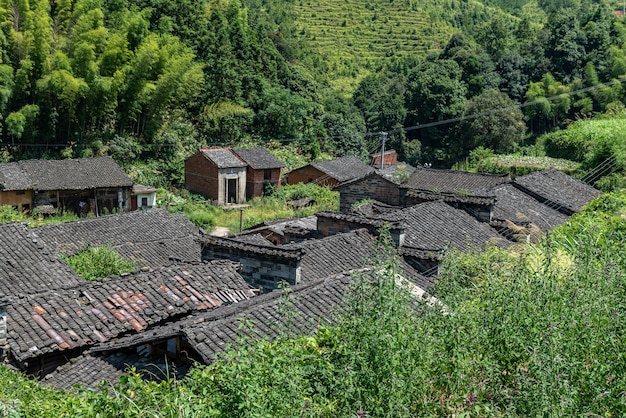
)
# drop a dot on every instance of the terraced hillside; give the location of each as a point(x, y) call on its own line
point(352, 34)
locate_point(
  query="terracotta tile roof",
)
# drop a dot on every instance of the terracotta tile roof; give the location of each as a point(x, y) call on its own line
point(27, 266)
point(452, 181)
point(344, 168)
point(223, 158)
point(558, 189)
point(101, 310)
point(258, 158)
point(434, 226)
point(74, 174)
point(518, 207)
point(90, 369)
point(152, 237)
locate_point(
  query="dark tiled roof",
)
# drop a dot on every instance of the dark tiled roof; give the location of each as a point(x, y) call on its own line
point(255, 238)
point(516, 206)
point(434, 226)
point(75, 174)
point(311, 304)
point(396, 172)
point(210, 333)
point(99, 311)
point(278, 226)
point(223, 158)
point(13, 177)
point(335, 254)
point(452, 181)
point(425, 195)
point(558, 188)
point(355, 217)
point(374, 208)
point(344, 168)
point(258, 158)
point(27, 266)
point(140, 188)
point(151, 237)
point(90, 369)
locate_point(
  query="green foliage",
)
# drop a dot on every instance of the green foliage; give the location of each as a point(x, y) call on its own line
point(97, 262)
point(9, 214)
point(591, 142)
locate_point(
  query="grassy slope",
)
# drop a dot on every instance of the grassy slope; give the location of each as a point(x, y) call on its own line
point(354, 35)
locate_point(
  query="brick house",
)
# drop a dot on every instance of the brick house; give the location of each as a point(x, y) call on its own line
point(463, 190)
point(263, 170)
point(218, 174)
point(330, 173)
point(80, 185)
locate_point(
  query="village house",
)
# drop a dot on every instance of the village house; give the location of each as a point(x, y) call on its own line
point(204, 335)
point(380, 160)
point(142, 197)
point(262, 172)
point(152, 238)
point(265, 266)
point(330, 173)
point(45, 330)
point(423, 232)
point(460, 189)
point(557, 190)
point(97, 185)
point(520, 216)
point(217, 174)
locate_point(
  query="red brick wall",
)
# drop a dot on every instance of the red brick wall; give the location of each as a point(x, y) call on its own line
point(308, 174)
point(390, 158)
point(201, 176)
point(255, 181)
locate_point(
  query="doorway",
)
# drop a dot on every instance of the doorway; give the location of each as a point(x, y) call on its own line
point(231, 191)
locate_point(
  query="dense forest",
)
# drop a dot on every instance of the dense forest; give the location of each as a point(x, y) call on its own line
point(151, 80)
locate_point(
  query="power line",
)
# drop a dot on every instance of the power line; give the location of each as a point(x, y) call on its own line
point(377, 133)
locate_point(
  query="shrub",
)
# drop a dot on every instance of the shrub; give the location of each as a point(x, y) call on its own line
point(96, 262)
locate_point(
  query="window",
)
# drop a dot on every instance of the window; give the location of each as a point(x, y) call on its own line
point(144, 202)
point(267, 175)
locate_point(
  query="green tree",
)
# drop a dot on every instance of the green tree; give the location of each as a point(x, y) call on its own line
point(494, 122)
point(548, 103)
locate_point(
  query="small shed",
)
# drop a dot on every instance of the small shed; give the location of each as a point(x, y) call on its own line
point(218, 174)
point(263, 170)
point(330, 173)
point(142, 197)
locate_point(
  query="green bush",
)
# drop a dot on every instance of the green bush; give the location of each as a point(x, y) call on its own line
point(97, 262)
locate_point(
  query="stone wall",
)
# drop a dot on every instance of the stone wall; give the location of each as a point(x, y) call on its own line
point(266, 271)
point(372, 187)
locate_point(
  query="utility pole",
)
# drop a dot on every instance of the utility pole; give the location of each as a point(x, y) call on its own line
point(382, 152)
